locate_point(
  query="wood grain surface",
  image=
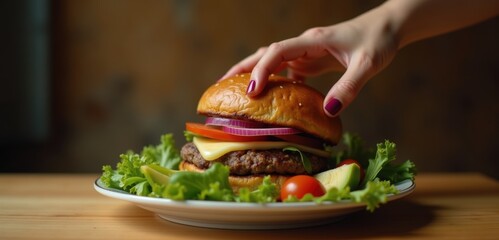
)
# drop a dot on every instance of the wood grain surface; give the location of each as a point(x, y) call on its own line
point(53, 206)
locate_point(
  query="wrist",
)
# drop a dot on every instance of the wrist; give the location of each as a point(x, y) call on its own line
point(397, 13)
point(414, 20)
point(381, 26)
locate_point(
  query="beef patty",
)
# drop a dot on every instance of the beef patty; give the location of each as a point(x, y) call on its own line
point(251, 162)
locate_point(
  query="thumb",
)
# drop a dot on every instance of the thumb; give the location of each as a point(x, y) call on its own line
point(346, 89)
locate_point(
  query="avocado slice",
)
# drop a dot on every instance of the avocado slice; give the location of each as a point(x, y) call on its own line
point(156, 174)
point(340, 177)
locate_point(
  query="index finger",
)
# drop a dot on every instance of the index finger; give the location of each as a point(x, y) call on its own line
point(279, 53)
point(247, 64)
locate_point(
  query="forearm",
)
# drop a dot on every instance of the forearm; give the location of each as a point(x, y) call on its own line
point(413, 20)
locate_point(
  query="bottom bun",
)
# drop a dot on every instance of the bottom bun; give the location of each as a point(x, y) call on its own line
point(237, 182)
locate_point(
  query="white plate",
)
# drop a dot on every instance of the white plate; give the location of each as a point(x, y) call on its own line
point(233, 215)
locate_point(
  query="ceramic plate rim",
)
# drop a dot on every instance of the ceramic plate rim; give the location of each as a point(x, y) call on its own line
point(247, 216)
point(405, 188)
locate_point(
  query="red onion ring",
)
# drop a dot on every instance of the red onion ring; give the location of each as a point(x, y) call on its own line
point(217, 121)
point(259, 131)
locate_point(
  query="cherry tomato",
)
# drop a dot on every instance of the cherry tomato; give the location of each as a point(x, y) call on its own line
point(352, 161)
point(300, 185)
point(215, 133)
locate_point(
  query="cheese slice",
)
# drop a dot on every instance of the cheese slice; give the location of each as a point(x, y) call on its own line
point(212, 149)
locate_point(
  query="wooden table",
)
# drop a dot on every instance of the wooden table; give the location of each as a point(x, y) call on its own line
point(51, 206)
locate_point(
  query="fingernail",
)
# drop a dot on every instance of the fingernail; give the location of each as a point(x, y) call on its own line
point(333, 106)
point(251, 86)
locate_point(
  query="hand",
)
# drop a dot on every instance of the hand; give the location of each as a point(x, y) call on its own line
point(360, 46)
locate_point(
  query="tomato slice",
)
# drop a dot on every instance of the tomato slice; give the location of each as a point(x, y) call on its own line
point(215, 133)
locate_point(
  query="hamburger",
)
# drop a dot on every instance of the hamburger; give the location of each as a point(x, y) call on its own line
point(280, 133)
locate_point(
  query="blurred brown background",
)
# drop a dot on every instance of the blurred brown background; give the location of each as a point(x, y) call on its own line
point(83, 81)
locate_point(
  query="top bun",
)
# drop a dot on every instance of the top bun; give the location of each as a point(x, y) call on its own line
point(283, 102)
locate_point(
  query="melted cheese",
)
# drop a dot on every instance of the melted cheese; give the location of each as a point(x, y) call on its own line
point(212, 149)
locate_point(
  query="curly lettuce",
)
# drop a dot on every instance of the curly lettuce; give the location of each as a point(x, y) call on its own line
point(128, 177)
point(382, 166)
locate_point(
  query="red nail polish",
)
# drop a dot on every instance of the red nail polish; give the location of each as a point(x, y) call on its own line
point(333, 106)
point(251, 86)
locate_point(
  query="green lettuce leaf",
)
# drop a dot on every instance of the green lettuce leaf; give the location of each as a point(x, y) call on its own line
point(110, 177)
point(142, 188)
point(353, 148)
point(164, 154)
point(398, 172)
point(212, 184)
point(128, 175)
point(189, 135)
point(304, 159)
point(382, 166)
point(265, 193)
point(375, 193)
point(385, 153)
point(129, 169)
